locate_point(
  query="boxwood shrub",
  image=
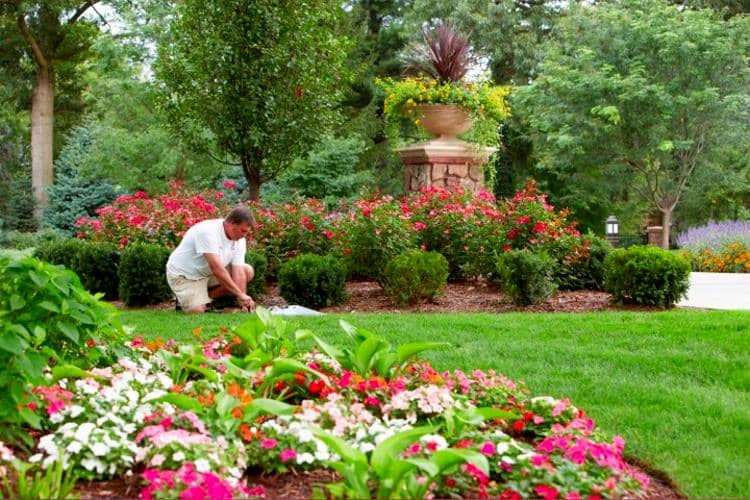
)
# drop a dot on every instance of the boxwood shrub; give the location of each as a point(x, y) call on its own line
point(526, 276)
point(258, 260)
point(142, 274)
point(415, 275)
point(646, 275)
point(313, 281)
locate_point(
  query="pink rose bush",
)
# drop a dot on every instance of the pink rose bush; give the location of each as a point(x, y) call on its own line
point(190, 420)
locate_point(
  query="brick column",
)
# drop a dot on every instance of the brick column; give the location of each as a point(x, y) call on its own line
point(443, 163)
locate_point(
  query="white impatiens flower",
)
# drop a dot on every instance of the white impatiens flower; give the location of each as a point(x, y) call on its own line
point(178, 456)
point(74, 447)
point(84, 432)
point(76, 410)
point(437, 440)
point(305, 458)
point(202, 465)
point(99, 449)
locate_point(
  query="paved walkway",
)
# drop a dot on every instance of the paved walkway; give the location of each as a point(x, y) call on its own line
point(718, 291)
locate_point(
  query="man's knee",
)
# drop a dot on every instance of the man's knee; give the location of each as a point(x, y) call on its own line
point(249, 273)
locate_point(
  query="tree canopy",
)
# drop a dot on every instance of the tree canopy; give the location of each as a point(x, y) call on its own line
point(641, 86)
point(261, 79)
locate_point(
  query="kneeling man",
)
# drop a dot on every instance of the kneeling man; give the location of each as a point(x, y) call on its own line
point(210, 262)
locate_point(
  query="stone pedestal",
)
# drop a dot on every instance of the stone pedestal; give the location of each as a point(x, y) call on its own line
point(655, 235)
point(444, 162)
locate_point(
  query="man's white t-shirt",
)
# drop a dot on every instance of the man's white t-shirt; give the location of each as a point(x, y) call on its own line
point(207, 236)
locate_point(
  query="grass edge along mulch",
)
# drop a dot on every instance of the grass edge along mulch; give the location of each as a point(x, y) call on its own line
point(675, 384)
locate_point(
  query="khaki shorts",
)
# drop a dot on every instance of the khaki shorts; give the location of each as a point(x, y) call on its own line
point(191, 293)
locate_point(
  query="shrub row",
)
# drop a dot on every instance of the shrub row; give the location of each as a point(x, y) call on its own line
point(135, 274)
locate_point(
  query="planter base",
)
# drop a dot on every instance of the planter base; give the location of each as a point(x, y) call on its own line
point(444, 162)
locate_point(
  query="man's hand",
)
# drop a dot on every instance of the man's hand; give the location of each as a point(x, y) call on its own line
point(246, 302)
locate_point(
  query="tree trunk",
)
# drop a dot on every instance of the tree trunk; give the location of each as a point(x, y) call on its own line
point(251, 169)
point(666, 223)
point(42, 113)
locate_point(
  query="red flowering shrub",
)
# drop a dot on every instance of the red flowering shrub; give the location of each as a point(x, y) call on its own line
point(466, 228)
point(373, 232)
point(287, 230)
point(162, 220)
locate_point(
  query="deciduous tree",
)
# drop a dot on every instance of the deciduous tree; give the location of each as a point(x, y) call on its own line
point(640, 85)
point(262, 78)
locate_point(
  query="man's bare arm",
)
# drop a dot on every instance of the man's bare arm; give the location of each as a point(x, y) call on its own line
point(221, 273)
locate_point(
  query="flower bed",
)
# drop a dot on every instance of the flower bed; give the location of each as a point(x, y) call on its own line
point(718, 247)
point(189, 420)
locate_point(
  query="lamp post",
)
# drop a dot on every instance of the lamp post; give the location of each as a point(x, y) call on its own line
point(612, 230)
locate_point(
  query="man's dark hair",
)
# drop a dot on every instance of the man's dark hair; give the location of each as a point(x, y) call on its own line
point(239, 215)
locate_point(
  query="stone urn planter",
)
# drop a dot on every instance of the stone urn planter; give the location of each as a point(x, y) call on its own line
point(444, 121)
point(445, 160)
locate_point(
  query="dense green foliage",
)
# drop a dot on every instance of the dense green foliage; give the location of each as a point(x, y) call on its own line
point(73, 196)
point(415, 275)
point(526, 276)
point(260, 267)
point(261, 79)
point(142, 274)
point(652, 105)
point(46, 314)
point(329, 172)
point(20, 240)
point(581, 272)
point(313, 281)
point(96, 264)
point(646, 275)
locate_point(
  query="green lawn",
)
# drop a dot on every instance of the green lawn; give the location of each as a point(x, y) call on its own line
point(675, 385)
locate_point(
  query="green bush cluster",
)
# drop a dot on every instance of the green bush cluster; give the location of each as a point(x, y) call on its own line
point(96, 264)
point(646, 275)
point(259, 262)
point(526, 276)
point(313, 281)
point(415, 275)
point(142, 274)
point(20, 240)
point(581, 263)
point(46, 315)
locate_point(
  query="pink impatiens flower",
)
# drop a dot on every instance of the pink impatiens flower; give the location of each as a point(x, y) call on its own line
point(268, 443)
point(288, 454)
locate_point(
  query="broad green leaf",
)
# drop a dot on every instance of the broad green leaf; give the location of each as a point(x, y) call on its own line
point(365, 352)
point(16, 302)
point(30, 417)
point(406, 351)
point(69, 371)
point(428, 466)
point(348, 453)
point(351, 330)
point(69, 330)
point(488, 413)
point(332, 351)
point(46, 304)
point(453, 456)
point(208, 373)
point(39, 279)
point(21, 331)
point(263, 405)
point(391, 449)
point(11, 343)
point(393, 477)
point(264, 315)
point(39, 334)
point(181, 401)
point(32, 365)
